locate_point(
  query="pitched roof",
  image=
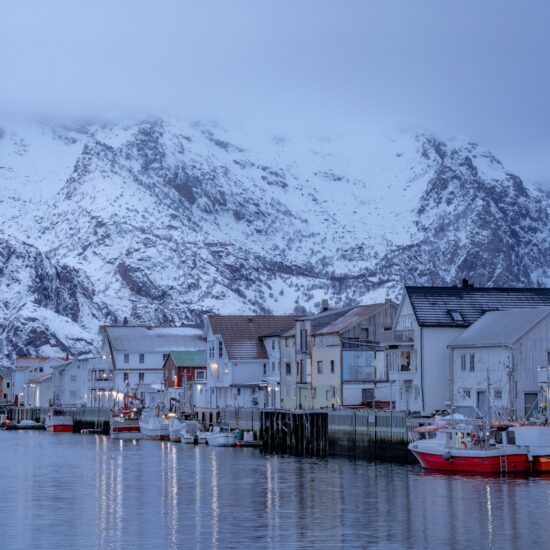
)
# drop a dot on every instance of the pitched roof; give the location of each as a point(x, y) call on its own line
point(195, 358)
point(462, 306)
point(41, 379)
point(242, 334)
point(500, 328)
point(351, 318)
point(154, 339)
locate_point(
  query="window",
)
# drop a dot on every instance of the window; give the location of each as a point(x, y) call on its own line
point(367, 395)
point(313, 393)
point(287, 339)
point(41, 369)
point(93, 374)
point(288, 368)
point(5, 396)
point(472, 362)
point(531, 403)
point(548, 358)
point(320, 367)
point(416, 392)
point(332, 366)
point(200, 375)
point(466, 393)
point(265, 369)
point(273, 368)
point(238, 391)
point(164, 356)
point(126, 358)
point(8, 385)
point(456, 316)
point(141, 377)
point(220, 349)
point(273, 343)
point(125, 376)
point(101, 374)
point(303, 340)
point(73, 394)
point(142, 358)
point(73, 377)
point(498, 393)
point(463, 362)
point(511, 437)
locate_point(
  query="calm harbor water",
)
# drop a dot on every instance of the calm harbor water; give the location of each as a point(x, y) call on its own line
point(79, 492)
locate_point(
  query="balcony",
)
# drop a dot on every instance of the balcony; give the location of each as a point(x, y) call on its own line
point(397, 337)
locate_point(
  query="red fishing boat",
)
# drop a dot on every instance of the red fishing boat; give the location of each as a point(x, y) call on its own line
point(469, 446)
point(125, 420)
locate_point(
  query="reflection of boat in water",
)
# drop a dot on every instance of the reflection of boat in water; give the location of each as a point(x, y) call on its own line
point(469, 446)
point(125, 421)
point(192, 431)
point(58, 421)
point(220, 436)
point(154, 425)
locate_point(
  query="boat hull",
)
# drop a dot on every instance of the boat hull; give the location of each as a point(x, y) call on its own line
point(541, 464)
point(125, 431)
point(221, 440)
point(474, 464)
point(66, 428)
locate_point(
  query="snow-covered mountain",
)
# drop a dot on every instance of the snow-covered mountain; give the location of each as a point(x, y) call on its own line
point(160, 220)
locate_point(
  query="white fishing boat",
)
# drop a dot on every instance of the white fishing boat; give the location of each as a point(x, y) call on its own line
point(174, 430)
point(125, 420)
point(58, 421)
point(154, 425)
point(193, 432)
point(220, 436)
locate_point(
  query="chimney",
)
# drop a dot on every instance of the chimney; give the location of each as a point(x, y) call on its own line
point(466, 283)
point(324, 305)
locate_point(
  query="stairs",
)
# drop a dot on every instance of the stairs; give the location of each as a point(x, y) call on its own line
point(503, 464)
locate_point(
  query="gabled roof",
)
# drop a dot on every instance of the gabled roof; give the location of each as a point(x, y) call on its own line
point(154, 339)
point(321, 320)
point(195, 358)
point(241, 334)
point(500, 328)
point(438, 306)
point(350, 319)
point(41, 379)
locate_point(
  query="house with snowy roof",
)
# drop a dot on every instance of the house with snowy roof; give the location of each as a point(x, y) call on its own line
point(427, 321)
point(134, 355)
point(239, 360)
point(497, 360)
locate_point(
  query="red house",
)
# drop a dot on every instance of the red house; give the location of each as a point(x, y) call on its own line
point(184, 367)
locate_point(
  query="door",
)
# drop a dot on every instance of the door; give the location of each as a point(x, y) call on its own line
point(531, 403)
point(482, 402)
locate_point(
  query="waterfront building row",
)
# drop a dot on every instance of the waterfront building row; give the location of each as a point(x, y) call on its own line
point(440, 346)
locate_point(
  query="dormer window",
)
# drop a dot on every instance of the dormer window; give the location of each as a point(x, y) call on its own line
point(456, 316)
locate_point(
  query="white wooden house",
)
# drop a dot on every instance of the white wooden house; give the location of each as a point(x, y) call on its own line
point(238, 361)
point(427, 321)
point(498, 358)
point(134, 355)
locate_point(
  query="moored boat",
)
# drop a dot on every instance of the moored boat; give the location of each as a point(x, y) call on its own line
point(154, 425)
point(192, 432)
point(220, 436)
point(58, 421)
point(470, 447)
point(125, 421)
point(174, 430)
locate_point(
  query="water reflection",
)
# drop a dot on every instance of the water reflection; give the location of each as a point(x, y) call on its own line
point(122, 494)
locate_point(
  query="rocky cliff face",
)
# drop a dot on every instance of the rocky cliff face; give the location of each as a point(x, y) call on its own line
point(161, 220)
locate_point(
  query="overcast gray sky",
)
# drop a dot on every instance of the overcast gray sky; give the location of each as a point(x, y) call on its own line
point(474, 68)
